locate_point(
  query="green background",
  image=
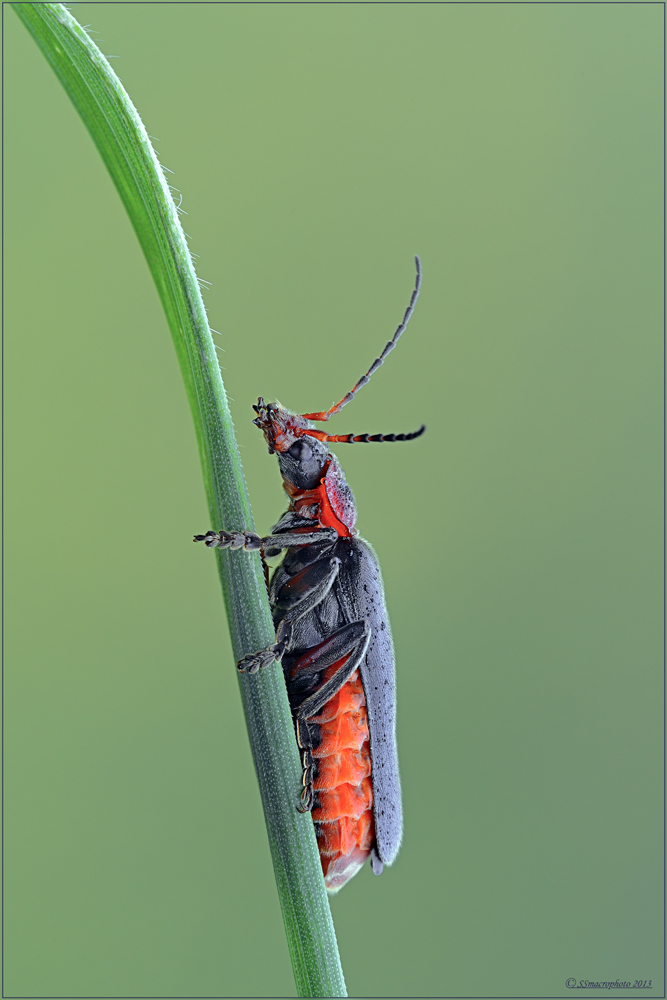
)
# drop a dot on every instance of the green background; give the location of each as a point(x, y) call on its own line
point(517, 149)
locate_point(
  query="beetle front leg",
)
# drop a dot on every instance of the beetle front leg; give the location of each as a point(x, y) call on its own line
point(252, 542)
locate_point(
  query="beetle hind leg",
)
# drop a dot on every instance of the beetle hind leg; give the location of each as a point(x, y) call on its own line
point(348, 644)
point(305, 741)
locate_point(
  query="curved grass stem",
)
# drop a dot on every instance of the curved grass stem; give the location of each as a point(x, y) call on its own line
point(127, 152)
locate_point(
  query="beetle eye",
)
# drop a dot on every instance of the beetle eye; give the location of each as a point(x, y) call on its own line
point(300, 451)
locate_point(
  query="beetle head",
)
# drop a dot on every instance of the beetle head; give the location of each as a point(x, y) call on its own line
point(301, 456)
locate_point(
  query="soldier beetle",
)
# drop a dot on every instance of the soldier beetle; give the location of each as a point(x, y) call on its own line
point(333, 638)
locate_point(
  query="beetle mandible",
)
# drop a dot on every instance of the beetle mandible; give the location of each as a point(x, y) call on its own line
point(332, 638)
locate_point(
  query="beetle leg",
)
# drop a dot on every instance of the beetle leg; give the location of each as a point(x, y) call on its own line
point(330, 651)
point(315, 702)
point(230, 540)
point(252, 542)
point(253, 662)
point(293, 540)
point(300, 604)
point(305, 741)
point(306, 589)
point(318, 658)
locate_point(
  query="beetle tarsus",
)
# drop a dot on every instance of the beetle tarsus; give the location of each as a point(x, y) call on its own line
point(253, 662)
point(307, 793)
point(247, 540)
point(305, 743)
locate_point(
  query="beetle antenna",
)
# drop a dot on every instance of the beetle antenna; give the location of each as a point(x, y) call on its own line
point(324, 415)
point(358, 438)
point(366, 438)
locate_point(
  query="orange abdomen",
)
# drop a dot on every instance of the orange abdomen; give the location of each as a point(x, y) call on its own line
point(343, 808)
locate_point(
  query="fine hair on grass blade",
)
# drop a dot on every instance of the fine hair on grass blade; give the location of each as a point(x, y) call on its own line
point(128, 154)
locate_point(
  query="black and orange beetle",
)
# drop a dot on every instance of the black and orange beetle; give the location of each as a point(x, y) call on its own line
point(333, 639)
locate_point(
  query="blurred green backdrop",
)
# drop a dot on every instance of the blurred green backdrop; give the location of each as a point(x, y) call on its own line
point(517, 149)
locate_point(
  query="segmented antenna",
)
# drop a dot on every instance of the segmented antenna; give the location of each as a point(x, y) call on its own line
point(366, 378)
point(367, 438)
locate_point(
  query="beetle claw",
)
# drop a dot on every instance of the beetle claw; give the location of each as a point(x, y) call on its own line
point(306, 803)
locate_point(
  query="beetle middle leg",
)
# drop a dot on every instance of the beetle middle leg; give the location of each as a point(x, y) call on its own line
point(299, 596)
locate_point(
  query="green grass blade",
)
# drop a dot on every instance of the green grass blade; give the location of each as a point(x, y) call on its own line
point(126, 150)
